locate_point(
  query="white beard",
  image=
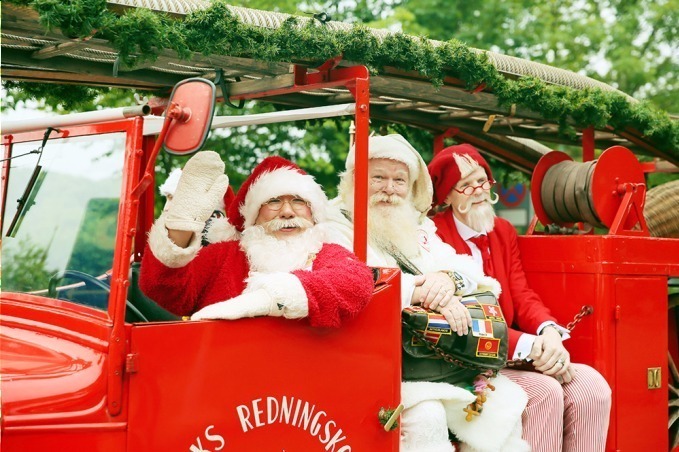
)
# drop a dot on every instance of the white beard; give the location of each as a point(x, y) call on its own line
point(481, 217)
point(394, 227)
point(269, 254)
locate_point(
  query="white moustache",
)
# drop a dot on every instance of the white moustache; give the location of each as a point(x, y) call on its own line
point(383, 197)
point(477, 201)
point(277, 224)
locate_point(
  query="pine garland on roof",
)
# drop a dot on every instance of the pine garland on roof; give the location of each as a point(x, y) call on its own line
point(140, 34)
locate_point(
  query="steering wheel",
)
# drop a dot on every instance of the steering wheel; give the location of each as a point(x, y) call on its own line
point(91, 281)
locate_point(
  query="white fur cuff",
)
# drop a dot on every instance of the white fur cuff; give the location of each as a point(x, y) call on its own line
point(285, 289)
point(166, 251)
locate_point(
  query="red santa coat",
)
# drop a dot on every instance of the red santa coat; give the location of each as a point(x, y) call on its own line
point(522, 307)
point(337, 288)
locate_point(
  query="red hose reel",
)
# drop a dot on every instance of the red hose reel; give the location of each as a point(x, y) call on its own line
point(606, 193)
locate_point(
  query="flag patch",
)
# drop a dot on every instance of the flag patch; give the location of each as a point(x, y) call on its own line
point(429, 336)
point(482, 328)
point(437, 323)
point(492, 312)
point(488, 348)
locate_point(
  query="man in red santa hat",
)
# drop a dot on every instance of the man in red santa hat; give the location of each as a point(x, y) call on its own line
point(568, 404)
point(400, 235)
point(284, 263)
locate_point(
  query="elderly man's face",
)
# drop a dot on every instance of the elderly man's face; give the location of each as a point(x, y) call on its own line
point(285, 216)
point(387, 178)
point(475, 196)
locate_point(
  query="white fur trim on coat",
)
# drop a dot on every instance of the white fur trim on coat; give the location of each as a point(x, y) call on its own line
point(285, 289)
point(166, 251)
point(219, 230)
point(283, 181)
point(498, 427)
point(424, 428)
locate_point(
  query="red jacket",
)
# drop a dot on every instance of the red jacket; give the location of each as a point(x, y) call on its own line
point(522, 307)
point(337, 288)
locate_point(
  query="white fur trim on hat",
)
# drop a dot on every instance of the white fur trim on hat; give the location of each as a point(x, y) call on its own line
point(395, 147)
point(465, 164)
point(279, 182)
point(392, 147)
point(170, 185)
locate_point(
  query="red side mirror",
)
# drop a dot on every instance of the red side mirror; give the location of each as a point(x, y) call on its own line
point(192, 106)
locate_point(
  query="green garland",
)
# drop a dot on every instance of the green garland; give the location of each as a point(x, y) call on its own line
point(140, 35)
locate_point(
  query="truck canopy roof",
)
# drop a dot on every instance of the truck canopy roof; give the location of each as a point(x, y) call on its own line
point(497, 102)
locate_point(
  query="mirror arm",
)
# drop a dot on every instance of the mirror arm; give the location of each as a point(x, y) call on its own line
point(174, 111)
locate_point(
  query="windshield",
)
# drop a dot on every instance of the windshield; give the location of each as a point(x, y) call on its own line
point(63, 241)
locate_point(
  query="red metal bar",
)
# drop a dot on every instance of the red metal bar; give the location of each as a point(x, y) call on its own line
point(588, 144)
point(149, 174)
point(630, 212)
point(127, 220)
point(361, 93)
point(146, 203)
point(5, 178)
point(659, 166)
point(533, 224)
point(304, 81)
point(439, 140)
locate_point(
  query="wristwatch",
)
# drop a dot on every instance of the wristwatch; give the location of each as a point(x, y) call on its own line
point(551, 325)
point(456, 279)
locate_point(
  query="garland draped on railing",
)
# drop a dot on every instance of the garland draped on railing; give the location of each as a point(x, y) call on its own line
point(140, 34)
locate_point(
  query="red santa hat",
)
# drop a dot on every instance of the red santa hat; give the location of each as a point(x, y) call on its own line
point(452, 164)
point(275, 176)
point(395, 147)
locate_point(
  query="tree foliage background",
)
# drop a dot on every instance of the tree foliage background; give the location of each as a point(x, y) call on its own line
point(632, 45)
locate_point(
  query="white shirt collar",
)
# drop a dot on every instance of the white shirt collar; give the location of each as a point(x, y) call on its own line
point(465, 231)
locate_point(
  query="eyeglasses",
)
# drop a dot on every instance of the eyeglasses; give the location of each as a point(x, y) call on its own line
point(297, 204)
point(470, 189)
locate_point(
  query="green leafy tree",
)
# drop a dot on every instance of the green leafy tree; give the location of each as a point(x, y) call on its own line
point(93, 249)
point(630, 45)
point(24, 267)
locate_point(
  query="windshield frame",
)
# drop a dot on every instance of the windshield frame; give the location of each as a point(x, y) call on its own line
point(127, 213)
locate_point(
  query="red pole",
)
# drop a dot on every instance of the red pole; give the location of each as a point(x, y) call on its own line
point(588, 144)
point(362, 96)
point(439, 143)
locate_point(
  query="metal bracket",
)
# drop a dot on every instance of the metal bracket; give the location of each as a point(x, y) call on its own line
point(653, 377)
point(219, 81)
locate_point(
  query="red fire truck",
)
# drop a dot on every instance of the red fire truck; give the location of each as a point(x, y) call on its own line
point(90, 363)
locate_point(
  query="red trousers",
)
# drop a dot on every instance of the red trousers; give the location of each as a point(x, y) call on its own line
point(572, 417)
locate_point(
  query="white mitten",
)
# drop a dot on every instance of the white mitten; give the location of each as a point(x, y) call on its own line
point(250, 304)
point(201, 187)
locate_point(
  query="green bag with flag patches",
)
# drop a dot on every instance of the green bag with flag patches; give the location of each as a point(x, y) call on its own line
point(427, 334)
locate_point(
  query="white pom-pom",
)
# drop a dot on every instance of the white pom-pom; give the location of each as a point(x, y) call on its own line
point(170, 185)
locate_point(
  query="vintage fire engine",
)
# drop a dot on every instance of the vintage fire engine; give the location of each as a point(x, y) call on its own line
point(90, 363)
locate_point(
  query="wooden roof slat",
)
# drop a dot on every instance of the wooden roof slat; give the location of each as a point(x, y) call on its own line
point(408, 106)
point(421, 91)
point(59, 49)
